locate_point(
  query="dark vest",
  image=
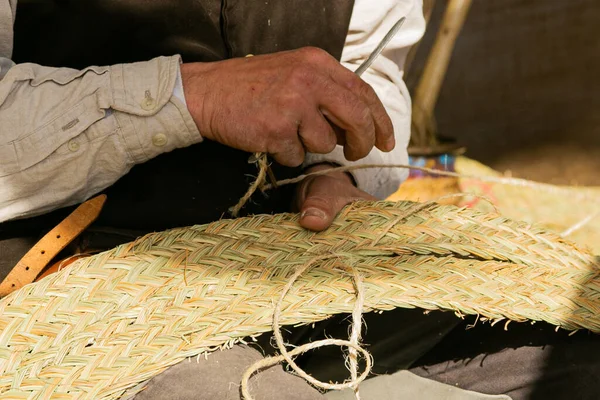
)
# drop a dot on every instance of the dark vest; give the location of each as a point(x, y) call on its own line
point(187, 186)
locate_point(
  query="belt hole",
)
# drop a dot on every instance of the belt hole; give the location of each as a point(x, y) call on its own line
point(58, 236)
point(43, 252)
point(26, 268)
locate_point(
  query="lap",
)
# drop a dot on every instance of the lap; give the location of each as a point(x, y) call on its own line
point(218, 377)
point(396, 339)
point(527, 362)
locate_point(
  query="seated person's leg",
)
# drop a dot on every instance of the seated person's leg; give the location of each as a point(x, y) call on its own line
point(218, 377)
point(527, 362)
point(395, 339)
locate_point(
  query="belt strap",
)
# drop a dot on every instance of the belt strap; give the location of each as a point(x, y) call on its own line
point(38, 257)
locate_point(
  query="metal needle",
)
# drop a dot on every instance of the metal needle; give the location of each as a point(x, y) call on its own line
point(384, 42)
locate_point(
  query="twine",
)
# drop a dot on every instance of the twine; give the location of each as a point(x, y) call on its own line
point(264, 170)
point(492, 179)
point(355, 336)
point(263, 166)
point(352, 344)
point(580, 224)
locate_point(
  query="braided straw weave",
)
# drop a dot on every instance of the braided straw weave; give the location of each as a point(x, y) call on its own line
point(550, 206)
point(111, 321)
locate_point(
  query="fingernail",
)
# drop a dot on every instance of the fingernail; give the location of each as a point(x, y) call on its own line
point(313, 212)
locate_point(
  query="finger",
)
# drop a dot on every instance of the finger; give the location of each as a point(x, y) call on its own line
point(321, 198)
point(340, 134)
point(317, 134)
point(319, 209)
point(385, 139)
point(289, 152)
point(384, 130)
point(317, 212)
point(350, 113)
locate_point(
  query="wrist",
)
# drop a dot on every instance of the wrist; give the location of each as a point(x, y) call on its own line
point(195, 78)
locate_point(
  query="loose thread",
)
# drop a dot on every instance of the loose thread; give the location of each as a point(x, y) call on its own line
point(263, 166)
point(263, 172)
point(264, 169)
point(492, 179)
point(580, 224)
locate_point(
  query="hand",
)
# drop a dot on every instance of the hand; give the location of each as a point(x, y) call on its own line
point(319, 198)
point(286, 104)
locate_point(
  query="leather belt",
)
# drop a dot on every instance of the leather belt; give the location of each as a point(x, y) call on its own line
point(44, 251)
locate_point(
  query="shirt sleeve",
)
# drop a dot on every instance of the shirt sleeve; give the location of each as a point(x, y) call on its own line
point(67, 134)
point(369, 23)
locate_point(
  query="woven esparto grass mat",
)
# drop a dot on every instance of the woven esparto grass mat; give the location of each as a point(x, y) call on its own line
point(111, 321)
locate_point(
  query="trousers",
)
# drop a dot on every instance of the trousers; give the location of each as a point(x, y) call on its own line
point(524, 362)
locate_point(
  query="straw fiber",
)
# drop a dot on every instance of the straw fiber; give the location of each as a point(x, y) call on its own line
point(110, 321)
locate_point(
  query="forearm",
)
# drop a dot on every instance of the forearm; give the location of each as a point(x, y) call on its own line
point(66, 135)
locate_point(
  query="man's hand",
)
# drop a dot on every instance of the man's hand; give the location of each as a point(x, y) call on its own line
point(286, 104)
point(320, 198)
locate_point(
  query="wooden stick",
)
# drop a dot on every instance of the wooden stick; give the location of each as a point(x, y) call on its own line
point(410, 57)
point(428, 89)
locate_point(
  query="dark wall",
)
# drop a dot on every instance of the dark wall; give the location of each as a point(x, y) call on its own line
point(523, 87)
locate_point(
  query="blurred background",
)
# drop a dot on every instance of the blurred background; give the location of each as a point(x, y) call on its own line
point(522, 90)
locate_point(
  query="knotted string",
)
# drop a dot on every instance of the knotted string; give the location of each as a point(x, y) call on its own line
point(352, 344)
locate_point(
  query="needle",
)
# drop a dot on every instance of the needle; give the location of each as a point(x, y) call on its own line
point(384, 42)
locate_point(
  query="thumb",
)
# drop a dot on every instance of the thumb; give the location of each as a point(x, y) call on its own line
point(321, 198)
point(318, 210)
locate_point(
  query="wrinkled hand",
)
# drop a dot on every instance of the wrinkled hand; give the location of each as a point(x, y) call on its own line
point(320, 198)
point(286, 104)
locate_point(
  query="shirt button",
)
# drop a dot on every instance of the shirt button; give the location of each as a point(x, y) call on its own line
point(73, 145)
point(159, 140)
point(148, 104)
